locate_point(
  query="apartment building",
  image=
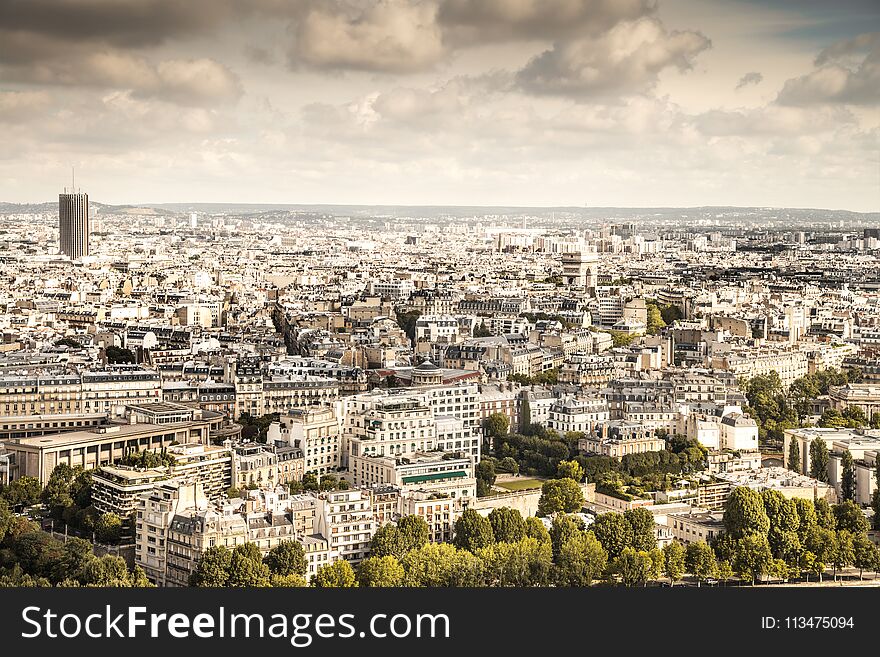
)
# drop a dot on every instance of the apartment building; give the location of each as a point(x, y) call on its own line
point(345, 519)
point(314, 430)
point(577, 414)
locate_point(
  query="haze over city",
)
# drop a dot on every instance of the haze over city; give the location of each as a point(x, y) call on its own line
point(631, 103)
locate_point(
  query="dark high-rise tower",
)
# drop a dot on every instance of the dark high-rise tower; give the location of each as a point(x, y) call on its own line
point(73, 224)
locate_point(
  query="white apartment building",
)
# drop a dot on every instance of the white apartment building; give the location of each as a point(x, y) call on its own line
point(345, 518)
point(315, 430)
point(577, 414)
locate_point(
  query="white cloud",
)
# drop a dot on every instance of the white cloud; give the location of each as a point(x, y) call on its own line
point(626, 59)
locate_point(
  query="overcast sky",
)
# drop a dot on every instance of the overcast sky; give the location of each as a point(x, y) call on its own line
point(455, 102)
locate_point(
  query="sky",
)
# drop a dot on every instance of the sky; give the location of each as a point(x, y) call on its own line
point(637, 103)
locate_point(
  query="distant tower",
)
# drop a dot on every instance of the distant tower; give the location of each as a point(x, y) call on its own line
point(73, 224)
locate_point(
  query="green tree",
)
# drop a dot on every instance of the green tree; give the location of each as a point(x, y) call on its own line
point(292, 581)
point(23, 491)
point(613, 532)
point(485, 474)
point(117, 355)
point(744, 513)
point(634, 567)
point(794, 456)
point(472, 531)
point(534, 528)
point(674, 561)
point(581, 560)
point(864, 553)
point(875, 505)
point(752, 557)
point(848, 516)
point(821, 543)
point(848, 478)
point(287, 558)
point(442, 565)
point(642, 528)
point(724, 571)
point(380, 572)
point(56, 495)
point(109, 528)
point(655, 322)
point(508, 525)
point(571, 470)
point(496, 425)
point(560, 496)
point(407, 322)
point(387, 542)
point(842, 551)
point(212, 568)
point(247, 569)
point(824, 514)
point(413, 532)
point(700, 561)
point(562, 528)
point(336, 575)
point(526, 562)
point(819, 460)
point(509, 464)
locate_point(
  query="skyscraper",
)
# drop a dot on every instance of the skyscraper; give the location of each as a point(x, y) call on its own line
point(73, 224)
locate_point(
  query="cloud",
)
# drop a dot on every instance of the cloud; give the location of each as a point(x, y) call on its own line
point(479, 21)
point(20, 106)
point(754, 77)
point(394, 36)
point(837, 80)
point(183, 81)
point(626, 59)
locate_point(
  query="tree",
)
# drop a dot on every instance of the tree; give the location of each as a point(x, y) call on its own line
point(527, 562)
point(482, 331)
point(848, 478)
point(848, 516)
point(864, 553)
point(806, 511)
point(508, 525)
point(441, 565)
point(473, 531)
point(843, 550)
point(581, 560)
point(287, 558)
point(724, 571)
point(496, 425)
point(287, 581)
point(674, 560)
point(23, 491)
point(821, 543)
point(562, 529)
point(875, 505)
point(613, 532)
point(387, 542)
point(633, 567)
point(744, 513)
point(212, 568)
point(752, 557)
point(338, 574)
point(571, 470)
point(534, 528)
point(642, 528)
point(246, 569)
point(560, 496)
point(117, 355)
point(509, 464)
point(109, 528)
point(819, 460)
point(794, 456)
point(824, 514)
point(407, 321)
point(655, 322)
point(56, 495)
point(380, 571)
point(700, 561)
point(414, 532)
point(485, 474)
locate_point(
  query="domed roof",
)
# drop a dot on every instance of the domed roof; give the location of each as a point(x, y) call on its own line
point(427, 366)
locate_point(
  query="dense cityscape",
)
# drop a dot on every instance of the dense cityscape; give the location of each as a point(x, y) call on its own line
point(340, 396)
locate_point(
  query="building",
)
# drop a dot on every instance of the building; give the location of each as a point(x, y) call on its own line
point(696, 526)
point(73, 225)
point(315, 431)
point(791, 484)
point(345, 519)
point(619, 437)
point(116, 488)
point(577, 414)
point(37, 456)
